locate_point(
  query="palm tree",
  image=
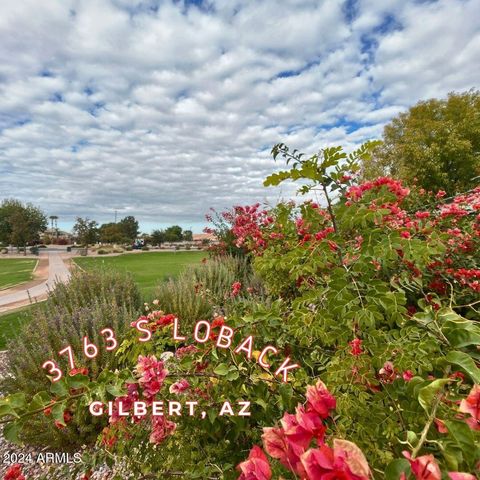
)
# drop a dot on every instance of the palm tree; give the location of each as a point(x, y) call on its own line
point(54, 218)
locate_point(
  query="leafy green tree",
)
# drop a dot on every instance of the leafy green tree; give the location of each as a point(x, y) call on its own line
point(20, 224)
point(436, 142)
point(129, 227)
point(86, 231)
point(157, 237)
point(112, 233)
point(173, 234)
point(187, 235)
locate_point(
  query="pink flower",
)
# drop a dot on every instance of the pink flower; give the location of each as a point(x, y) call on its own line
point(320, 399)
point(179, 387)
point(440, 194)
point(161, 429)
point(424, 467)
point(405, 234)
point(152, 374)
point(407, 375)
point(311, 423)
point(345, 461)
point(471, 405)
point(461, 476)
point(256, 467)
point(183, 351)
point(287, 453)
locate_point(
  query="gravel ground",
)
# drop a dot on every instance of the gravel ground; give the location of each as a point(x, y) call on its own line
point(31, 457)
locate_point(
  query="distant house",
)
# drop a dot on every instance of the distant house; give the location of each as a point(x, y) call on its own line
point(56, 236)
point(200, 239)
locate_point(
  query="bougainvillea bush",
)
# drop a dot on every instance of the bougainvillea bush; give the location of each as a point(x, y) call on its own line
point(373, 292)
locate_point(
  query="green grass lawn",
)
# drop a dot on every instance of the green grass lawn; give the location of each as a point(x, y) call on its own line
point(148, 269)
point(15, 270)
point(10, 324)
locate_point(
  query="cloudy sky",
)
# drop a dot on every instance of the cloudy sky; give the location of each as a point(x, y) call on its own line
point(162, 108)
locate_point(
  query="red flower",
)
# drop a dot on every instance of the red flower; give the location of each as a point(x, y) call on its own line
point(87, 475)
point(356, 347)
point(256, 467)
point(236, 287)
point(440, 424)
point(471, 405)
point(407, 375)
point(387, 374)
point(424, 467)
point(320, 399)
point(405, 234)
point(166, 320)
point(14, 473)
point(332, 246)
point(78, 371)
point(218, 322)
point(344, 462)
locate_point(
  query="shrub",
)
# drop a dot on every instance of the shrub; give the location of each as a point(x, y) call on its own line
point(145, 248)
point(89, 303)
point(202, 290)
point(102, 251)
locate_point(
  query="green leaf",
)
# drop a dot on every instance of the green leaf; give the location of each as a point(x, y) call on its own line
point(276, 178)
point(17, 400)
point(59, 388)
point(463, 436)
point(221, 369)
point(396, 467)
point(427, 394)
point(40, 400)
point(262, 403)
point(57, 412)
point(78, 381)
point(11, 431)
point(6, 409)
point(232, 375)
point(464, 361)
point(116, 390)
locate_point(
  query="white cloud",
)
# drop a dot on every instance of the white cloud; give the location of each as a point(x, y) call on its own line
point(162, 109)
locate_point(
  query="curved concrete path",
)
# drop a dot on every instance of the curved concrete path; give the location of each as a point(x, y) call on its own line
point(57, 272)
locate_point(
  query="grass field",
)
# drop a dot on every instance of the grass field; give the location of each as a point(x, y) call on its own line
point(10, 323)
point(14, 271)
point(148, 269)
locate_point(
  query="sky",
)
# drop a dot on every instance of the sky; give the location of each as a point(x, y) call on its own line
point(162, 109)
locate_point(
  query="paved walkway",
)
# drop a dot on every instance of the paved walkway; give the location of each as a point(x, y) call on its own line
point(57, 272)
